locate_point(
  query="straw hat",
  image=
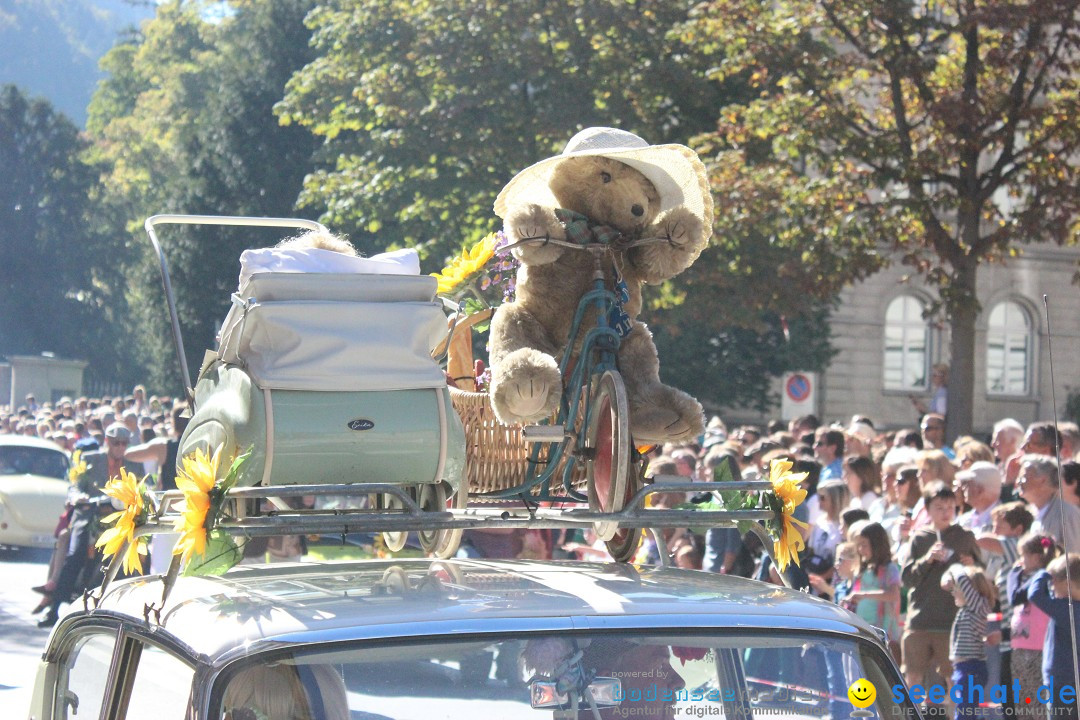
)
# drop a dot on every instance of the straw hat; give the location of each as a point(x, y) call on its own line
point(675, 170)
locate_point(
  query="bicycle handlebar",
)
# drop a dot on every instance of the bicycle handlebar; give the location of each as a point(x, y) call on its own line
point(547, 240)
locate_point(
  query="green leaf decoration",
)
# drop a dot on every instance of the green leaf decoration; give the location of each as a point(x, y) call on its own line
point(234, 470)
point(222, 553)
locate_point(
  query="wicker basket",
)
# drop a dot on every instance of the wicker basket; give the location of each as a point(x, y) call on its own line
point(497, 455)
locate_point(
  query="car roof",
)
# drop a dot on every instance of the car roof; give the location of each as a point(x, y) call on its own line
point(29, 441)
point(269, 606)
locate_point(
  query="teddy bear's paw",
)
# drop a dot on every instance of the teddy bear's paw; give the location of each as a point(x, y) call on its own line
point(526, 388)
point(671, 416)
point(681, 228)
point(534, 222)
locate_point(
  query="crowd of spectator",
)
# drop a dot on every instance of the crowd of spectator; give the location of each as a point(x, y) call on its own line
point(957, 550)
point(952, 549)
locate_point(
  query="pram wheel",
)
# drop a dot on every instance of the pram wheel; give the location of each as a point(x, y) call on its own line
point(394, 541)
point(431, 498)
point(450, 540)
point(607, 437)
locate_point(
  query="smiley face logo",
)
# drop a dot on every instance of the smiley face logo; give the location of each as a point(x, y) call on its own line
point(862, 693)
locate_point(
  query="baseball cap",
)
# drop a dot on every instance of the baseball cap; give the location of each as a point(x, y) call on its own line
point(982, 473)
point(118, 431)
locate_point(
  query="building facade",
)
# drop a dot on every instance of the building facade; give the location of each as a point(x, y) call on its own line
point(886, 347)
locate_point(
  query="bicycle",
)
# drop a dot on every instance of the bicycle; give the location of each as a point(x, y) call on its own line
point(590, 434)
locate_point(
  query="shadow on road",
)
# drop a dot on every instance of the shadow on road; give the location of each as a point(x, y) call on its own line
point(25, 555)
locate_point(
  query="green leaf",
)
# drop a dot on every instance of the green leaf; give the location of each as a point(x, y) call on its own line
point(234, 470)
point(222, 553)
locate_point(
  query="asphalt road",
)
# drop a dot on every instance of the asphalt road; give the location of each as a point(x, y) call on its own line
point(21, 642)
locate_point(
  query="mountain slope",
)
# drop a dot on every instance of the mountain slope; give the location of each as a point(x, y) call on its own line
point(50, 48)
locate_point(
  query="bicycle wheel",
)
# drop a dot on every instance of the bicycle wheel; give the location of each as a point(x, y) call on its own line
point(448, 542)
point(607, 438)
point(624, 543)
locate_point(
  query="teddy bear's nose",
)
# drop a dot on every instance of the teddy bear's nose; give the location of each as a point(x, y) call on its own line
point(637, 210)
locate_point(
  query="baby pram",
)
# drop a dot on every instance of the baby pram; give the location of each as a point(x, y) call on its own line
point(324, 370)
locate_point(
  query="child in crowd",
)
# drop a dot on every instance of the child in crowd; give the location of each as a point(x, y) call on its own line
point(1063, 575)
point(1009, 522)
point(973, 595)
point(825, 534)
point(931, 609)
point(847, 564)
point(876, 591)
point(1028, 624)
point(849, 518)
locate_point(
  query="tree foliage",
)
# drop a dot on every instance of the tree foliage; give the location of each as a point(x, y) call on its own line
point(942, 132)
point(57, 269)
point(429, 107)
point(184, 124)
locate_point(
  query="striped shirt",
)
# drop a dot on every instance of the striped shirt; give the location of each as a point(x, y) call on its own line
point(968, 638)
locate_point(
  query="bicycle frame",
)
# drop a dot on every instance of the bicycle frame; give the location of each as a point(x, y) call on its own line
point(599, 349)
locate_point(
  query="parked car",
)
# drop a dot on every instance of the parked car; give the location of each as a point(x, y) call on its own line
point(33, 488)
point(460, 639)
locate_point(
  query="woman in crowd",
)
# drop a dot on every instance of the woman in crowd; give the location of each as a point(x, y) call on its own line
point(863, 480)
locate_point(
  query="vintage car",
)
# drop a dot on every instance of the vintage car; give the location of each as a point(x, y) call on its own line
point(33, 488)
point(428, 638)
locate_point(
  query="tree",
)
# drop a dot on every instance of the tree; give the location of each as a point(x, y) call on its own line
point(57, 270)
point(428, 108)
point(184, 124)
point(944, 133)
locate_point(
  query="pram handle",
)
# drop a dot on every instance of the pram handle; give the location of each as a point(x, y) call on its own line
point(235, 220)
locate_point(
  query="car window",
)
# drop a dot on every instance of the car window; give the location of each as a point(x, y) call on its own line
point(85, 677)
point(796, 676)
point(162, 686)
point(16, 460)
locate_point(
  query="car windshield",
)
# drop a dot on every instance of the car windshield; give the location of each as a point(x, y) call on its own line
point(20, 460)
point(570, 676)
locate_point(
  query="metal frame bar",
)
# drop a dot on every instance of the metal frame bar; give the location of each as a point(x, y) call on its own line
point(410, 517)
point(170, 299)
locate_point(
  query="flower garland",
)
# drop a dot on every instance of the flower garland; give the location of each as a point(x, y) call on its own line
point(787, 492)
point(785, 496)
point(133, 494)
point(78, 467)
point(469, 279)
point(205, 549)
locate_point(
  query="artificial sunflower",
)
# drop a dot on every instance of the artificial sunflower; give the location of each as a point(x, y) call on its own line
point(131, 493)
point(196, 479)
point(786, 486)
point(78, 467)
point(463, 268)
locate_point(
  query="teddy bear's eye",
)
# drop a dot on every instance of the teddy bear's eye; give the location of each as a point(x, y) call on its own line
point(605, 176)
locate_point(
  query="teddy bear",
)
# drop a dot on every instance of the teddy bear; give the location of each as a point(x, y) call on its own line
point(609, 186)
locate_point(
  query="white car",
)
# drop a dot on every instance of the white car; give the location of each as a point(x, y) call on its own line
point(33, 488)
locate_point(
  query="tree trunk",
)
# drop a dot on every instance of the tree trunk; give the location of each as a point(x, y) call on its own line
point(963, 311)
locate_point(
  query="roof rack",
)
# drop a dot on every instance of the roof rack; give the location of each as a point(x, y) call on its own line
point(244, 514)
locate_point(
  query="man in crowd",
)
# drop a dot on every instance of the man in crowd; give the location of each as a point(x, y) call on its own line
point(933, 434)
point(1038, 485)
point(89, 500)
point(829, 451)
point(1042, 438)
point(980, 486)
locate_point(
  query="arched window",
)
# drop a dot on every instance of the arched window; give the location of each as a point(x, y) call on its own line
point(1008, 349)
point(907, 345)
